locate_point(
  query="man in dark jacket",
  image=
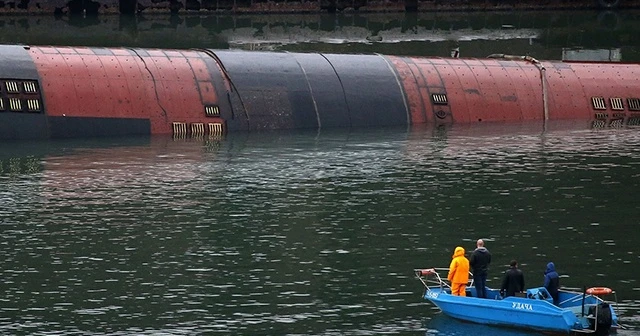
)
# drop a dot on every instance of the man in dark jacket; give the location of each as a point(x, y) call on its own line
point(513, 281)
point(552, 282)
point(479, 262)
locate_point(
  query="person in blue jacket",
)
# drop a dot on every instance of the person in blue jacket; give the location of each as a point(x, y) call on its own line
point(552, 281)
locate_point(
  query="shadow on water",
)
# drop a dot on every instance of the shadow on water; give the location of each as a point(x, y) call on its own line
point(36, 150)
point(238, 141)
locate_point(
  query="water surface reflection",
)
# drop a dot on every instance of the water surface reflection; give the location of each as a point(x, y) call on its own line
point(552, 35)
point(304, 233)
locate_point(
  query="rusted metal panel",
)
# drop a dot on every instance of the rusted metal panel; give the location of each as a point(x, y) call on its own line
point(140, 96)
point(502, 96)
point(161, 73)
point(423, 89)
point(112, 67)
point(215, 92)
point(435, 85)
point(132, 69)
point(411, 90)
point(173, 53)
point(61, 97)
point(86, 98)
point(181, 68)
point(155, 53)
point(78, 70)
point(167, 69)
point(93, 68)
point(616, 80)
point(262, 90)
point(112, 84)
point(528, 85)
point(483, 90)
point(453, 89)
point(57, 83)
point(122, 52)
point(58, 86)
point(66, 50)
point(84, 51)
point(566, 96)
point(491, 108)
point(120, 98)
point(190, 104)
point(101, 96)
point(207, 93)
point(158, 66)
point(469, 95)
point(426, 79)
point(415, 90)
point(199, 68)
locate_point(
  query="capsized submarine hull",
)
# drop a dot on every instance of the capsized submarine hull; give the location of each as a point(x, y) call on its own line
point(62, 92)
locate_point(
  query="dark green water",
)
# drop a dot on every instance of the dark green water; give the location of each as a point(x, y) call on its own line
point(305, 233)
point(313, 233)
point(550, 35)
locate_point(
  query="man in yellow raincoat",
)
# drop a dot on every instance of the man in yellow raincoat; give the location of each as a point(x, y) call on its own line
point(459, 272)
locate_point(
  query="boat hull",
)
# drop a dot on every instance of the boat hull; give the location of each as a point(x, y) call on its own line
point(515, 312)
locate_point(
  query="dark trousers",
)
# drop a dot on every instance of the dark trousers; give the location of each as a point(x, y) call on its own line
point(480, 281)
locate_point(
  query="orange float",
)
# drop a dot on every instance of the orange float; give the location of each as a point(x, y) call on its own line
point(599, 291)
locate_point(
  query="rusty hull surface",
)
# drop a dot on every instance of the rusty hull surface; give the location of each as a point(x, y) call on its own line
point(58, 92)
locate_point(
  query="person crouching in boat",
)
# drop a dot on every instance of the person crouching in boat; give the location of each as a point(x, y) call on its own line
point(459, 272)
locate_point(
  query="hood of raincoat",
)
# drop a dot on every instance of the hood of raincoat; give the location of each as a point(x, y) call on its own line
point(551, 267)
point(459, 251)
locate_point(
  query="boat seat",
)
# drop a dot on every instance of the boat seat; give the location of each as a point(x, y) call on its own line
point(539, 293)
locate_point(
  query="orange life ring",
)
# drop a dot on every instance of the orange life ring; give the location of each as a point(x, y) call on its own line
point(599, 291)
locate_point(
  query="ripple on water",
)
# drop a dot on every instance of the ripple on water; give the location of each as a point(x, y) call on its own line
point(304, 234)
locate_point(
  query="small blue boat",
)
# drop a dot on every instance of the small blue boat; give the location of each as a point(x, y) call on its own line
point(576, 312)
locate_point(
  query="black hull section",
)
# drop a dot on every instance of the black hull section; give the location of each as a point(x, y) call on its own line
point(324, 91)
point(19, 126)
point(83, 127)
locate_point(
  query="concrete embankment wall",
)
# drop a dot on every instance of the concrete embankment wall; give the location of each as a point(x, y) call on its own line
point(62, 7)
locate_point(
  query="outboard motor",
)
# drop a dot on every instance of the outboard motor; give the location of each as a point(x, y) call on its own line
point(603, 319)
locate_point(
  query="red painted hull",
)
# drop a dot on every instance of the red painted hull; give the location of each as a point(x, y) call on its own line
point(50, 92)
